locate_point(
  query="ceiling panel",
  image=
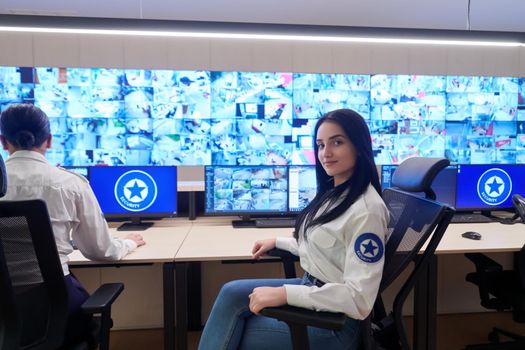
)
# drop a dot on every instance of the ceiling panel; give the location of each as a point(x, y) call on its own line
point(498, 15)
point(445, 14)
point(90, 8)
point(495, 15)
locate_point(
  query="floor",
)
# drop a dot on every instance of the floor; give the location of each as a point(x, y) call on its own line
point(453, 332)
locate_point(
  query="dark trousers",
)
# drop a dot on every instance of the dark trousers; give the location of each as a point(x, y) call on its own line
point(79, 324)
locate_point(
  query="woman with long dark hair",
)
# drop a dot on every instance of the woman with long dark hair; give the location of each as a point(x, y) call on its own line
point(339, 238)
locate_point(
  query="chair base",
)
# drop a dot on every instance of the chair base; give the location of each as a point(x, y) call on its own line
point(494, 337)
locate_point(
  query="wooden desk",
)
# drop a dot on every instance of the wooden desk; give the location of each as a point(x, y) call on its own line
point(163, 240)
point(162, 243)
point(496, 238)
point(223, 242)
point(212, 239)
point(177, 243)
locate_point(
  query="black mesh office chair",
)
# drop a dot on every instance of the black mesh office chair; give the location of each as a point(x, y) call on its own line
point(33, 294)
point(414, 220)
point(500, 290)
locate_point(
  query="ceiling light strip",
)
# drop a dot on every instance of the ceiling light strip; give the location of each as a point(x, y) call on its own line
point(248, 36)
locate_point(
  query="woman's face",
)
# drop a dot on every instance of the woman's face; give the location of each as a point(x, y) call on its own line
point(336, 153)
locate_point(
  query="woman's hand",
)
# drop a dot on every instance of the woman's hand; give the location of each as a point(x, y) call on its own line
point(262, 297)
point(262, 246)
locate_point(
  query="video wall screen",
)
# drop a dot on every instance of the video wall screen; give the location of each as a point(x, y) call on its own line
point(168, 117)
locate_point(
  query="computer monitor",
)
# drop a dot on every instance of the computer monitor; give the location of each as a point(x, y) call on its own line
point(444, 185)
point(135, 192)
point(488, 187)
point(302, 186)
point(80, 170)
point(246, 190)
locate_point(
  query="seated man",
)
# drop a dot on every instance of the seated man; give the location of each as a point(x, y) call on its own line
point(73, 209)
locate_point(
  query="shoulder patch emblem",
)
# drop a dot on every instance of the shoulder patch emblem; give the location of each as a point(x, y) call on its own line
point(369, 248)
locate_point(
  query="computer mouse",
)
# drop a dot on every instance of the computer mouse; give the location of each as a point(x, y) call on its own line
point(472, 235)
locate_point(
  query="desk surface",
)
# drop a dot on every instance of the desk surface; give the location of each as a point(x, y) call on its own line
point(214, 238)
point(495, 237)
point(223, 242)
point(162, 243)
point(218, 240)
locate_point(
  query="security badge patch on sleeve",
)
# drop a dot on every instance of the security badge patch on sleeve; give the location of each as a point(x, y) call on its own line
point(368, 247)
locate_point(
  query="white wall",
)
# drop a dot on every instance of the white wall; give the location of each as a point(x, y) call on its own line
point(140, 306)
point(108, 51)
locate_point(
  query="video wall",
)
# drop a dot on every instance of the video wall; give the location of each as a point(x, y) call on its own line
point(168, 117)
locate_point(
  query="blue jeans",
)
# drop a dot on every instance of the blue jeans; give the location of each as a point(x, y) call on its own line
point(231, 325)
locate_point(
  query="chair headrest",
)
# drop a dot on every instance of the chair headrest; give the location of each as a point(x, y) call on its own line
point(3, 178)
point(417, 174)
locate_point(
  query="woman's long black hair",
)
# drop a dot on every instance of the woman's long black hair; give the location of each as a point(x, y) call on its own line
point(365, 173)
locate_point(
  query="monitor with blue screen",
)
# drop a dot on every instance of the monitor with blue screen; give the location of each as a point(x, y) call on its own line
point(444, 185)
point(488, 187)
point(135, 192)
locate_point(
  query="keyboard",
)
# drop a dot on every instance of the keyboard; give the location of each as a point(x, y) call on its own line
point(275, 223)
point(470, 218)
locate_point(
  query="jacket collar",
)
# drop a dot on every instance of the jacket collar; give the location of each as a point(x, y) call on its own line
point(27, 155)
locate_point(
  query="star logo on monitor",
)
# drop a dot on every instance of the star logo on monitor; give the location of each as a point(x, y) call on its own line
point(135, 190)
point(494, 186)
point(369, 247)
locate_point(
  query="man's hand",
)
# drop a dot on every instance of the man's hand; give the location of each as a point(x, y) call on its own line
point(137, 238)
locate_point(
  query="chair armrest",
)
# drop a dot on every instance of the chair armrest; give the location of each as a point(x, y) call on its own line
point(283, 254)
point(297, 315)
point(103, 298)
point(483, 263)
point(288, 259)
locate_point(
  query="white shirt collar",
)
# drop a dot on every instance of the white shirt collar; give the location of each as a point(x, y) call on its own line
point(27, 155)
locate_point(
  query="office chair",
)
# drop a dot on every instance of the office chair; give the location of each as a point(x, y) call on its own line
point(414, 221)
point(3, 178)
point(500, 290)
point(33, 294)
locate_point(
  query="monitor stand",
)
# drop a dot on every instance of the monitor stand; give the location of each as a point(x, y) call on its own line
point(135, 225)
point(264, 222)
point(244, 222)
